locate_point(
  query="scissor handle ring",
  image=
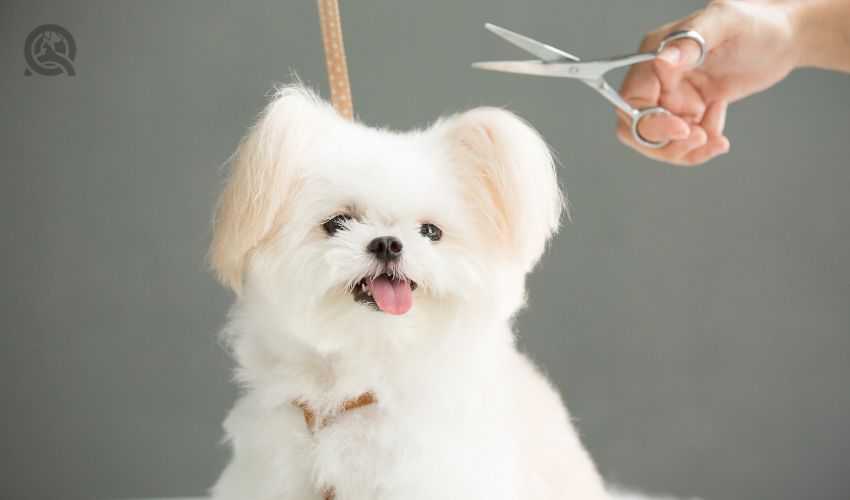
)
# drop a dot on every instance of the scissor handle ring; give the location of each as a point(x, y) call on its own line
point(644, 112)
point(690, 35)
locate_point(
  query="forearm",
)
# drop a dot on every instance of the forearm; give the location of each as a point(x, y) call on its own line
point(823, 32)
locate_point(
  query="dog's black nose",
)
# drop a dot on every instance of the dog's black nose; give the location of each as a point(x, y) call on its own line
point(386, 248)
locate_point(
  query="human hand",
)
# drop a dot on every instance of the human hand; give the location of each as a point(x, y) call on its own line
point(751, 46)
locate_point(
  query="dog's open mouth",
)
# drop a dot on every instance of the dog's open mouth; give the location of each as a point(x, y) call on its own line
point(385, 293)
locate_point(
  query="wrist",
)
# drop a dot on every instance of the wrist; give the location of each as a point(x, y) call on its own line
point(822, 33)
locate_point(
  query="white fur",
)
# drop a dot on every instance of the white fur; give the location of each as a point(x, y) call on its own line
point(461, 414)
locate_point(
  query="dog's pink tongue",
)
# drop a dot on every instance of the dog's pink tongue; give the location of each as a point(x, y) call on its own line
point(392, 296)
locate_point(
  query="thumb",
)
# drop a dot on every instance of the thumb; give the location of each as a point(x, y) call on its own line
point(680, 56)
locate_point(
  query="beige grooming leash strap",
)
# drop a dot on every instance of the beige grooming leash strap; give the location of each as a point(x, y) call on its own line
point(341, 99)
point(335, 57)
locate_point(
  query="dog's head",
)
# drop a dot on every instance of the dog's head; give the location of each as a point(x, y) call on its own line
point(338, 226)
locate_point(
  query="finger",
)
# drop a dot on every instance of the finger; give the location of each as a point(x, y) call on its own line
point(659, 127)
point(675, 60)
point(676, 149)
point(641, 87)
point(714, 119)
point(674, 152)
point(714, 23)
point(713, 148)
point(716, 144)
point(679, 150)
point(679, 55)
point(715, 26)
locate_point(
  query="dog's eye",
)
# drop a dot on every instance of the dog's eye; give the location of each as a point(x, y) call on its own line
point(335, 224)
point(431, 232)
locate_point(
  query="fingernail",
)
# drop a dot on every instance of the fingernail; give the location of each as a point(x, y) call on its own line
point(671, 55)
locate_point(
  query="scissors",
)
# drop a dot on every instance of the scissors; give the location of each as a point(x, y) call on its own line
point(557, 63)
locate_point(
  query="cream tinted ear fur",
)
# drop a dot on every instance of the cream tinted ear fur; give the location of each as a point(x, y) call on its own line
point(264, 177)
point(514, 172)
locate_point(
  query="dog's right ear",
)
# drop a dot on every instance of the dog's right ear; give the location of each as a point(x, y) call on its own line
point(264, 176)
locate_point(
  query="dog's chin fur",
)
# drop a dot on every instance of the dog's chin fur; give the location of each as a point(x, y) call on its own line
point(460, 413)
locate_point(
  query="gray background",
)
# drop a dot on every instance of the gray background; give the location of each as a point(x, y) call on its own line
point(696, 320)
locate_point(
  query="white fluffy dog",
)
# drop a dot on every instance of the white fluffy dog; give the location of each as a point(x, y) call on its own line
point(378, 274)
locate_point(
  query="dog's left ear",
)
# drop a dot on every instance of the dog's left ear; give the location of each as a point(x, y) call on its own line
point(511, 173)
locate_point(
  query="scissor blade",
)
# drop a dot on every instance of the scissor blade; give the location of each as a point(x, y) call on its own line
point(532, 67)
point(545, 52)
